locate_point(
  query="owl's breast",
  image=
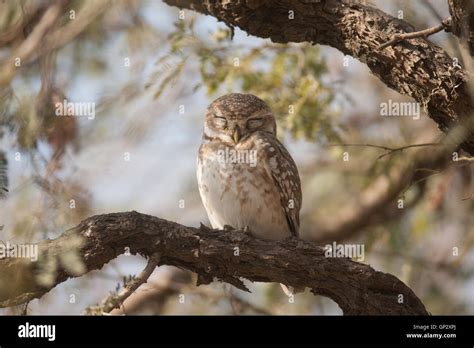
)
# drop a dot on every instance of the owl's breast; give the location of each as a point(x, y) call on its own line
point(237, 191)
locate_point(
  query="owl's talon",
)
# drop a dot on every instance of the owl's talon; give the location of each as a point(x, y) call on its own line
point(247, 229)
point(228, 228)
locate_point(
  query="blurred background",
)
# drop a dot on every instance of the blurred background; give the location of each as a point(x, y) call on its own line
point(151, 71)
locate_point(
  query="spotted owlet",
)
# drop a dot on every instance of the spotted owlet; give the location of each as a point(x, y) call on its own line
point(247, 179)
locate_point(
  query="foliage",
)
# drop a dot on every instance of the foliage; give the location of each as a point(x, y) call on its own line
point(287, 77)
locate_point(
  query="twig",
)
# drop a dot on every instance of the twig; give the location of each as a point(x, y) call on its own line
point(366, 145)
point(465, 159)
point(444, 266)
point(238, 304)
point(424, 178)
point(389, 150)
point(406, 147)
point(445, 24)
point(116, 300)
point(154, 298)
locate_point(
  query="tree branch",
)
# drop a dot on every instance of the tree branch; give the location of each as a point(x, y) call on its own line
point(415, 67)
point(152, 299)
point(41, 42)
point(446, 24)
point(381, 197)
point(356, 288)
point(462, 12)
point(28, 47)
point(389, 150)
point(116, 300)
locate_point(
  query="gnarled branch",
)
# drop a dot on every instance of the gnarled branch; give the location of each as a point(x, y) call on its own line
point(416, 67)
point(357, 288)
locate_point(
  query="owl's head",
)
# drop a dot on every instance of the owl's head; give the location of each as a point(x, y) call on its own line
point(233, 117)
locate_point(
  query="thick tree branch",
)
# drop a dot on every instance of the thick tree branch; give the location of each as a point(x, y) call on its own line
point(356, 288)
point(462, 12)
point(414, 67)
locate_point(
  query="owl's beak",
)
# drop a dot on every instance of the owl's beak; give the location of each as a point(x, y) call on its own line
point(236, 135)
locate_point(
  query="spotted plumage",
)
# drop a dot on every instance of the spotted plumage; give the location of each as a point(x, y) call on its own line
point(246, 177)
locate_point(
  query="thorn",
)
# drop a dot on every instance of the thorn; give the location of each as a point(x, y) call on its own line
point(204, 228)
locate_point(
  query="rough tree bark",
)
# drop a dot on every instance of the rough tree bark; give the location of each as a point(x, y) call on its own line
point(415, 67)
point(462, 12)
point(356, 288)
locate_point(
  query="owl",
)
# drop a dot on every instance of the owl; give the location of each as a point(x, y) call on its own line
point(246, 177)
